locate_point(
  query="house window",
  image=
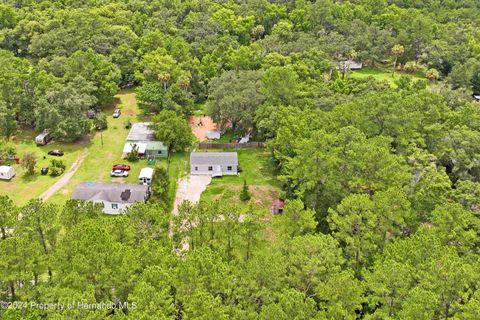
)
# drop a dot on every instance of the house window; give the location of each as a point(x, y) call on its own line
point(159, 151)
point(229, 168)
point(196, 168)
point(114, 206)
point(210, 168)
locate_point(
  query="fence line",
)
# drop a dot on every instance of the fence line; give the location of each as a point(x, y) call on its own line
point(248, 145)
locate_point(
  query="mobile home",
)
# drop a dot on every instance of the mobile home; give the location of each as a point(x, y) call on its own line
point(43, 138)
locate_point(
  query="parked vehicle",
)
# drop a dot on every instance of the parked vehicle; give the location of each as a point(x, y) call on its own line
point(57, 153)
point(43, 138)
point(145, 177)
point(123, 167)
point(117, 113)
point(119, 173)
point(7, 172)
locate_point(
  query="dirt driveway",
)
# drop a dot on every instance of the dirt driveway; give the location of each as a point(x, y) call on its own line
point(64, 179)
point(190, 188)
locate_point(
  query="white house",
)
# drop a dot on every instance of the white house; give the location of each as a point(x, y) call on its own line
point(116, 198)
point(215, 164)
point(146, 175)
point(7, 172)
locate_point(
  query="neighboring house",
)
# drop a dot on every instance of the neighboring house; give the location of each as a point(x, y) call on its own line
point(43, 138)
point(349, 65)
point(146, 176)
point(7, 172)
point(116, 198)
point(156, 149)
point(215, 164)
point(277, 206)
point(214, 135)
point(144, 138)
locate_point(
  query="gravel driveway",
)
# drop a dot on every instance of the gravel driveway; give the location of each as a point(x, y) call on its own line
point(190, 188)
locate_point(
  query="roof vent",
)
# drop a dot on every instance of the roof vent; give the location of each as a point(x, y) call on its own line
point(126, 195)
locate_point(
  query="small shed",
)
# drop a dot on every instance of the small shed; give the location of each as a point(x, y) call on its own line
point(213, 135)
point(7, 172)
point(277, 206)
point(350, 65)
point(146, 176)
point(156, 149)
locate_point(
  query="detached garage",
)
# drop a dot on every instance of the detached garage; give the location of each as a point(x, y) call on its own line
point(7, 172)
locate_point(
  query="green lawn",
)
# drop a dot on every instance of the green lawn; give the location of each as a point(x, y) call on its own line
point(256, 170)
point(384, 75)
point(102, 151)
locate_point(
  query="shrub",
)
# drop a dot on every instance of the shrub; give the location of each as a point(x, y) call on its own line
point(432, 74)
point(245, 194)
point(29, 161)
point(57, 167)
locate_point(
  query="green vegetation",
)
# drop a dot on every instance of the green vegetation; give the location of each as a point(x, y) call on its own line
point(379, 168)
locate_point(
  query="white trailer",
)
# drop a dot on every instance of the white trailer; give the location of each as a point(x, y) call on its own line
point(7, 172)
point(145, 177)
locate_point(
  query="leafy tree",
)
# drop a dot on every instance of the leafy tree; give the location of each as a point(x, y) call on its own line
point(245, 194)
point(296, 220)
point(8, 123)
point(173, 131)
point(29, 160)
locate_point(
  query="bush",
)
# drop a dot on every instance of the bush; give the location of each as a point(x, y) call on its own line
point(101, 121)
point(245, 194)
point(57, 167)
point(127, 124)
point(432, 74)
point(160, 185)
point(29, 161)
point(411, 67)
point(133, 155)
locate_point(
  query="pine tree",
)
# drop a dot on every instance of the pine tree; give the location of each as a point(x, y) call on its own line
point(245, 194)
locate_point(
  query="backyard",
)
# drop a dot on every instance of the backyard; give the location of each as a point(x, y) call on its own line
point(100, 150)
point(256, 171)
point(382, 74)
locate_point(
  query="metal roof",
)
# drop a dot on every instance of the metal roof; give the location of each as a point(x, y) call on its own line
point(214, 158)
point(140, 131)
point(117, 193)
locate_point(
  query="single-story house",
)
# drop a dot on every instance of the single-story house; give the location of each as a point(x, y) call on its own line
point(141, 132)
point(277, 206)
point(350, 65)
point(116, 198)
point(215, 164)
point(144, 138)
point(146, 176)
point(43, 138)
point(7, 172)
point(214, 134)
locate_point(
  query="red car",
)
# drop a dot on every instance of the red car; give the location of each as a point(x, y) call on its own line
point(122, 167)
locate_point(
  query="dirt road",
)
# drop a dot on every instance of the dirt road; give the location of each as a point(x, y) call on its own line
point(65, 178)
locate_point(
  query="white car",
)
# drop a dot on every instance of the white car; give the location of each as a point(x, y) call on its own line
point(119, 173)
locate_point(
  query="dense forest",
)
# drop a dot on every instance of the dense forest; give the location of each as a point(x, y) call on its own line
point(381, 181)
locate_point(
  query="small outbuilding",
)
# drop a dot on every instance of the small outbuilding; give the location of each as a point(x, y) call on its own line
point(214, 134)
point(215, 164)
point(156, 149)
point(277, 206)
point(7, 172)
point(146, 176)
point(349, 65)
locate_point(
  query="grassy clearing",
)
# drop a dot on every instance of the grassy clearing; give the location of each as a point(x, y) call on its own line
point(384, 75)
point(25, 187)
point(256, 170)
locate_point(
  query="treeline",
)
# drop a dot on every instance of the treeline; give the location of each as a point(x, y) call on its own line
point(231, 262)
point(60, 58)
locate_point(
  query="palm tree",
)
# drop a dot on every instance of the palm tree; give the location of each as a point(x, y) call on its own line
point(397, 51)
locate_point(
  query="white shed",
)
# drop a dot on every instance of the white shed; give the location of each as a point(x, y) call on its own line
point(7, 172)
point(145, 177)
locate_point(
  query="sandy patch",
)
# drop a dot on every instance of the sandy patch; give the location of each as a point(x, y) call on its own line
point(201, 125)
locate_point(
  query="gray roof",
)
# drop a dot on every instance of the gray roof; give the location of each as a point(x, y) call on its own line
point(140, 131)
point(117, 193)
point(214, 158)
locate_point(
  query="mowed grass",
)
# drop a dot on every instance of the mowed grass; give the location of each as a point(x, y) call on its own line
point(24, 187)
point(384, 75)
point(256, 170)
